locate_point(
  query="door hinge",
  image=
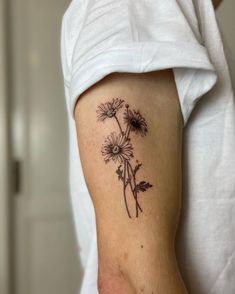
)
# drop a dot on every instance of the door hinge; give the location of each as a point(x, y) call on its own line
point(17, 176)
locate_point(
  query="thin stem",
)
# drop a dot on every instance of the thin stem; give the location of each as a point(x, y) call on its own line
point(135, 196)
point(118, 123)
point(133, 189)
point(124, 189)
point(128, 132)
point(128, 127)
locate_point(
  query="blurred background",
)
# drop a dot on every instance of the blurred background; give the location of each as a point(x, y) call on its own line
point(38, 250)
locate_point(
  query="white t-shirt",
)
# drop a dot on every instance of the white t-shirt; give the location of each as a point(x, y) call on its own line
point(104, 36)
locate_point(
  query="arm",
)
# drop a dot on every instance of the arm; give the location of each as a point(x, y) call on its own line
point(136, 223)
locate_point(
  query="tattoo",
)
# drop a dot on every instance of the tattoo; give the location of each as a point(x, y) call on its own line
point(118, 147)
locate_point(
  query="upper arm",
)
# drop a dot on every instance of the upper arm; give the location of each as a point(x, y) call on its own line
point(133, 174)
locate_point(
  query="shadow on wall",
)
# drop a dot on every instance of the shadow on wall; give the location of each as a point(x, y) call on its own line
point(225, 16)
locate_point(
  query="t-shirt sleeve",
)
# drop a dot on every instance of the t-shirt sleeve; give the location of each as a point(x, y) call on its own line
point(102, 37)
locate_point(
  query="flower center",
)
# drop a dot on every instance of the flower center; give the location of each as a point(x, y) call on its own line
point(116, 149)
point(111, 112)
point(135, 124)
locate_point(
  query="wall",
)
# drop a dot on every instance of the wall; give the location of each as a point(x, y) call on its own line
point(225, 16)
point(4, 261)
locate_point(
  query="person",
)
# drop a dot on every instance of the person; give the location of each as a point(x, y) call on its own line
point(152, 137)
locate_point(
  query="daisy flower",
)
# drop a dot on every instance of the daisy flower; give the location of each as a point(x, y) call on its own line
point(117, 147)
point(109, 109)
point(135, 121)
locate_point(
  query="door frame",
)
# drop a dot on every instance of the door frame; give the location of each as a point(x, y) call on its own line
point(4, 157)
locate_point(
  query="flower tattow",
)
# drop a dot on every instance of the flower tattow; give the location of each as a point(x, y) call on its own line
point(118, 147)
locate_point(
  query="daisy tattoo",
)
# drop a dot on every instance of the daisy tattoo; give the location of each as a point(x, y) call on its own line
point(118, 148)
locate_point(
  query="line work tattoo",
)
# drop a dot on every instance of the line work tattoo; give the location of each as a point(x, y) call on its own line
point(118, 147)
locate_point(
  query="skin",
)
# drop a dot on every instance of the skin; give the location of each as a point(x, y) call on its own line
point(136, 255)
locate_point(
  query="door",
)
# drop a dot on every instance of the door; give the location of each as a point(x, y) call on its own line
point(45, 250)
point(4, 160)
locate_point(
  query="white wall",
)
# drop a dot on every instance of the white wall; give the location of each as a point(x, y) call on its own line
point(4, 262)
point(225, 16)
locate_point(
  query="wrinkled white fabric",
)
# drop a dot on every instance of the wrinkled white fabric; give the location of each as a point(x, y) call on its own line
point(101, 37)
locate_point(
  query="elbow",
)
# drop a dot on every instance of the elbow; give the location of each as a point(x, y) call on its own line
point(114, 284)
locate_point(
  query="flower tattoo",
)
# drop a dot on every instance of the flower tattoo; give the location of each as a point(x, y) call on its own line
point(118, 148)
point(109, 109)
point(135, 121)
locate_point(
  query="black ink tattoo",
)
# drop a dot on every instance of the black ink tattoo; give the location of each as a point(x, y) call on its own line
point(118, 147)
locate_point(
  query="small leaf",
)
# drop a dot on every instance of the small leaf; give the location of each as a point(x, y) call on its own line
point(119, 172)
point(142, 186)
point(137, 167)
point(128, 181)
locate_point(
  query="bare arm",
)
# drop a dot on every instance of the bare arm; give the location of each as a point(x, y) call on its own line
point(129, 129)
